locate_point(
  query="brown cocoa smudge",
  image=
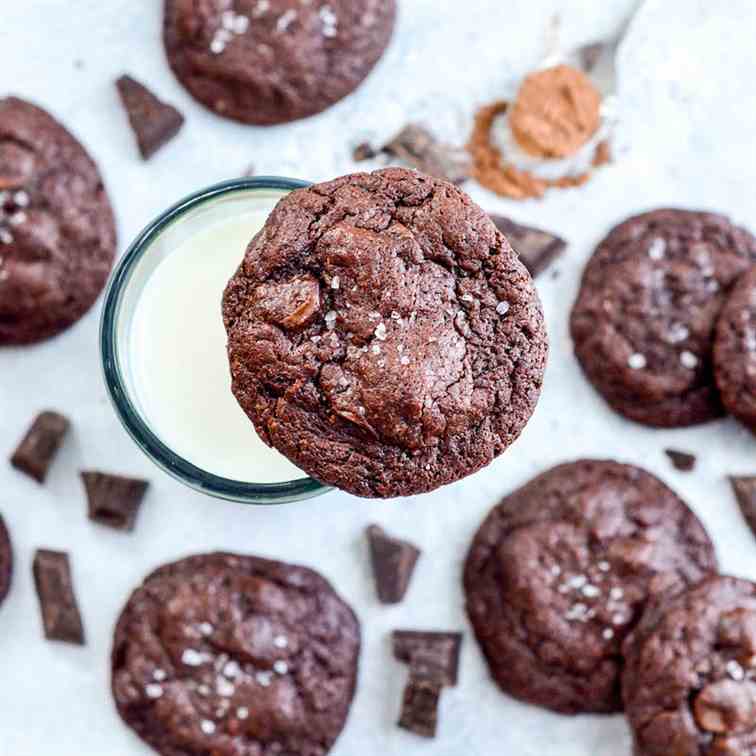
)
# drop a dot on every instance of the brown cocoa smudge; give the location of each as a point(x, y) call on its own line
point(493, 172)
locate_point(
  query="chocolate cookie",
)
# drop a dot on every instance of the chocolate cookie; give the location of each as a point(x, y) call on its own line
point(6, 561)
point(57, 234)
point(689, 683)
point(643, 323)
point(735, 351)
point(271, 61)
point(383, 335)
point(560, 571)
point(219, 653)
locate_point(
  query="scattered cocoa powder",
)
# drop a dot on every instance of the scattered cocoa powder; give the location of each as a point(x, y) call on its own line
point(492, 171)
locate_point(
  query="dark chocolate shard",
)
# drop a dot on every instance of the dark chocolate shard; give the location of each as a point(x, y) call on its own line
point(417, 147)
point(683, 461)
point(536, 248)
point(57, 602)
point(113, 500)
point(37, 449)
point(745, 493)
point(153, 121)
point(419, 712)
point(363, 151)
point(393, 561)
point(430, 655)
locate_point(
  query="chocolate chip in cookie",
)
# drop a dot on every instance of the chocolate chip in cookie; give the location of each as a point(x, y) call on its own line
point(37, 449)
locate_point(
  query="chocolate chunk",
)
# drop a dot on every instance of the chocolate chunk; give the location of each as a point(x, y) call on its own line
point(393, 561)
point(726, 706)
point(417, 147)
point(113, 500)
point(293, 304)
point(434, 656)
point(745, 493)
point(363, 151)
point(57, 602)
point(683, 461)
point(737, 629)
point(153, 121)
point(39, 446)
point(420, 707)
point(536, 248)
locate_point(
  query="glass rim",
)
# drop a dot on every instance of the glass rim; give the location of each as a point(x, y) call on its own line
point(130, 417)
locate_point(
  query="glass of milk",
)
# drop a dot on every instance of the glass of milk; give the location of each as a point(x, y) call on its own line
point(164, 347)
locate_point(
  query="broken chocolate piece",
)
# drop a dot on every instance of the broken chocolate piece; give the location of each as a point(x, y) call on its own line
point(113, 500)
point(39, 446)
point(363, 151)
point(57, 602)
point(683, 461)
point(744, 488)
point(430, 655)
point(417, 147)
point(153, 121)
point(536, 248)
point(420, 707)
point(393, 561)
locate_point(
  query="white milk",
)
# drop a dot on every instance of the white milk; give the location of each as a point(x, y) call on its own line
point(180, 368)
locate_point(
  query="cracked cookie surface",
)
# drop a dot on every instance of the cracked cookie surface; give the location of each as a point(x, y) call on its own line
point(383, 335)
point(57, 233)
point(235, 655)
point(272, 61)
point(690, 674)
point(643, 323)
point(735, 351)
point(560, 571)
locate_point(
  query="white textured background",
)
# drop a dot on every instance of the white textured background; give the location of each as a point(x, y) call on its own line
point(688, 73)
